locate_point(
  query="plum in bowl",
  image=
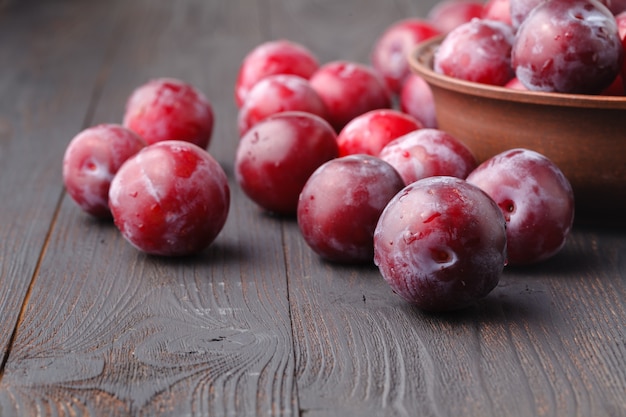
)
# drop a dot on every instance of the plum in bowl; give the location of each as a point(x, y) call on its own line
point(584, 135)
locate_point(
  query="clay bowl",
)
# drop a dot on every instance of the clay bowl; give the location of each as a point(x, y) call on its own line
point(584, 135)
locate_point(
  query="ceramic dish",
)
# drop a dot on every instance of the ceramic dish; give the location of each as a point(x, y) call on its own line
point(584, 135)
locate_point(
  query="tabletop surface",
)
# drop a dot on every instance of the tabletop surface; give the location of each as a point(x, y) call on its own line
point(257, 324)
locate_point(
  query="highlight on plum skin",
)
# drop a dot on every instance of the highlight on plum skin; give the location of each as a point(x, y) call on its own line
point(280, 56)
point(170, 109)
point(91, 160)
point(428, 153)
point(276, 157)
point(440, 244)
point(349, 89)
point(170, 199)
point(369, 132)
point(477, 51)
point(536, 199)
point(341, 203)
point(276, 94)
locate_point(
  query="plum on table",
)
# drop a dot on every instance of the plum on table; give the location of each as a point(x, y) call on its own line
point(440, 243)
point(170, 199)
point(91, 160)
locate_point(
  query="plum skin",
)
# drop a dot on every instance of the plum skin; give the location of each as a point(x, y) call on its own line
point(169, 109)
point(276, 157)
point(279, 56)
point(428, 153)
point(568, 46)
point(349, 89)
point(340, 205)
point(91, 160)
point(441, 243)
point(369, 132)
point(416, 99)
point(276, 94)
point(447, 15)
point(477, 51)
point(536, 199)
point(389, 54)
point(170, 199)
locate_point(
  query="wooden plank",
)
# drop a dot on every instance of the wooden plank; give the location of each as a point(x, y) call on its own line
point(550, 340)
point(46, 83)
point(108, 330)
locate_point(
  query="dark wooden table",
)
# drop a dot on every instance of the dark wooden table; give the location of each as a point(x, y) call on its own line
point(257, 325)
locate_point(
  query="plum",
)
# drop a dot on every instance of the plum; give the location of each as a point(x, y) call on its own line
point(498, 10)
point(349, 89)
point(568, 46)
point(279, 56)
point(536, 199)
point(340, 204)
point(428, 153)
point(520, 9)
point(478, 51)
point(417, 100)
point(92, 159)
point(170, 199)
point(276, 94)
point(277, 156)
point(441, 243)
point(446, 15)
point(371, 131)
point(390, 53)
point(169, 109)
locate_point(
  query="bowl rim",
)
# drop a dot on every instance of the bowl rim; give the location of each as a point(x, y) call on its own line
point(421, 62)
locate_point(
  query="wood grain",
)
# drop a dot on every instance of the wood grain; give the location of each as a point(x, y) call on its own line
point(46, 83)
point(257, 325)
point(124, 333)
point(535, 346)
point(548, 341)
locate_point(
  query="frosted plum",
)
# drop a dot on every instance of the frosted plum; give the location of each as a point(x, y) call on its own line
point(371, 131)
point(277, 156)
point(416, 99)
point(340, 205)
point(536, 199)
point(171, 199)
point(273, 57)
point(390, 53)
point(447, 15)
point(92, 159)
point(479, 51)
point(520, 9)
point(275, 94)
point(349, 89)
point(441, 244)
point(169, 109)
point(568, 46)
point(428, 153)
